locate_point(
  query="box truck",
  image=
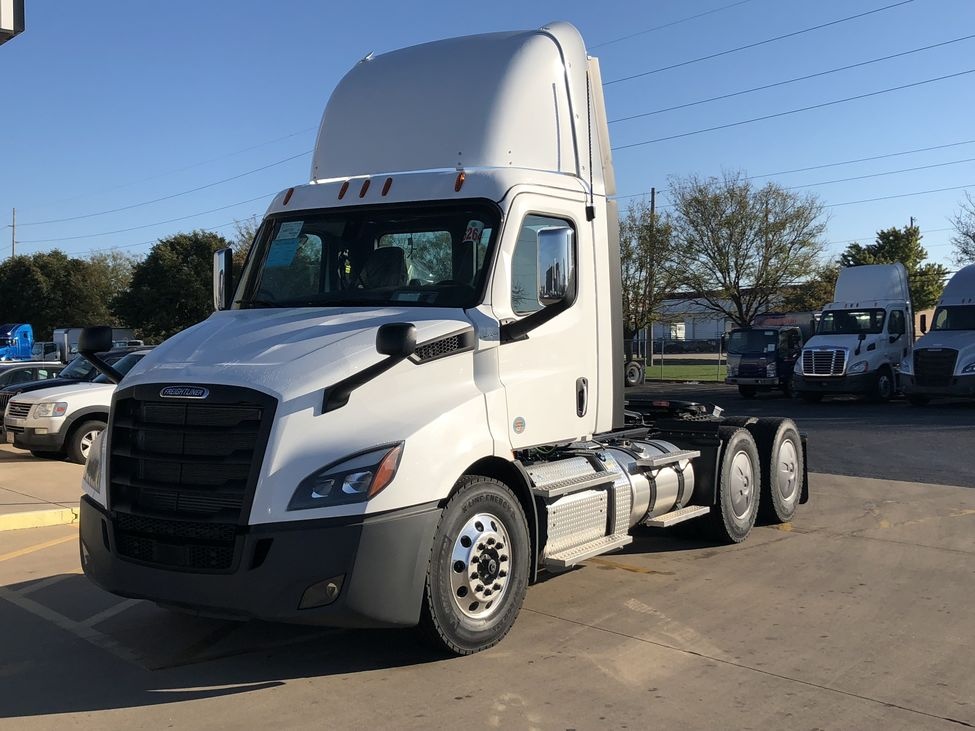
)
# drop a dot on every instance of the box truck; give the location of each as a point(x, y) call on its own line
point(943, 361)
point(411, 403)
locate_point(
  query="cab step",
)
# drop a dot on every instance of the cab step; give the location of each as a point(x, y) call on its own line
point(553, 479)
point(678, 516)
point(662, 460)
point(578, 554)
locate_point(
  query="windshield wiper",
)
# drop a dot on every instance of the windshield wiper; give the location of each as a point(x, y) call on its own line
point(256, 303)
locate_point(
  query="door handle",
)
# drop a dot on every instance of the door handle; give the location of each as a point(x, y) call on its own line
point(582, 396)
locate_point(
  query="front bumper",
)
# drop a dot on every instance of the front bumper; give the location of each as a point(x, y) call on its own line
point(736, 381)
point(959, 386)
point(859, 383)
point(381, 561)
point(27, 437)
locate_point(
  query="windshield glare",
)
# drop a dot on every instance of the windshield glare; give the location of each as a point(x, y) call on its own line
point(954, 317)
point(852, 322)
point(436, 256)
point(752, 341)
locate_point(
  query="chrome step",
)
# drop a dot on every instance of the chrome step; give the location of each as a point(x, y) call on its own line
point(678, 516)
point(576, 484)
point(662, 460)
point(573, 556)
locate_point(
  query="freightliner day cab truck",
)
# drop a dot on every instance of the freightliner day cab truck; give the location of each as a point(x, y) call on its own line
point(943, 362)
point(412, 403)
point(862, 336)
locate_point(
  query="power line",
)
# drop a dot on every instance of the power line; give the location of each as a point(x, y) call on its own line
point(266, 196)
point(862, 159)
point(789, 81)
point(794, 111)
point(669, 25)
point(900, 195)
point(169, 197)
point(757, 43)
point(877, 175)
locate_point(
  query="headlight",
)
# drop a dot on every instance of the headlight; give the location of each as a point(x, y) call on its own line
point(51, 408)
point(907, 365)
point(859, 367)
point(732, 371)
point(92, 479)
point(771, 371)
point(798, 366)
point(970, 368)
point(352, 480)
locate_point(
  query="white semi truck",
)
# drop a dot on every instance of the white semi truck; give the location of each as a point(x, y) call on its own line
point(943, 361)
point(412, 403)
point(861, 338)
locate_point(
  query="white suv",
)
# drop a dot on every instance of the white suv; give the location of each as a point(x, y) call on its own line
point(63, 420)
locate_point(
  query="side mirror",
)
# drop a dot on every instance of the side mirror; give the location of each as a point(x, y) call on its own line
point(556, 265)
point(94, 340)
point(223, 273)
point(924, 322)
point(396, 339)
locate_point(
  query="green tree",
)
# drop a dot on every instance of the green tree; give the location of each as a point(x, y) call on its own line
point(902, 245)
point(741, 245)
point(244, 233)
point(51, 289)
point(964, 238)
point(171, 288)
point(646, 256)
point(814, 292)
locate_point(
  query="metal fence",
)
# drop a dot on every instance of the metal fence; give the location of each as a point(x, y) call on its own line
point(667, 359)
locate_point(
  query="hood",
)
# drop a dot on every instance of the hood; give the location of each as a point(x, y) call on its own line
point(93, 392)
point(961, 340)
point(284, 351)
point(850, 342)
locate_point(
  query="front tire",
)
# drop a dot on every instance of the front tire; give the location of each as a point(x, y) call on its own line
point(479, 565)
point(811, 397)
point(747, 391)
point(634, 373)
point(79, 443)
point(739, 486)
point(917, 399)
point(883, 387)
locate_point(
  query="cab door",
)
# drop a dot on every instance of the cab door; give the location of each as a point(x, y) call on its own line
point(550, 376)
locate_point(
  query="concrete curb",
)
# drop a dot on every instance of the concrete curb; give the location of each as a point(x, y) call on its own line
point(38, 518)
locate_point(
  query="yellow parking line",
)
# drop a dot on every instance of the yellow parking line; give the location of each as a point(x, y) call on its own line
point(37, 547)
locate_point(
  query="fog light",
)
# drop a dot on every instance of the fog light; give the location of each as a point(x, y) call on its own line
point(40, 430)
point(322, 594)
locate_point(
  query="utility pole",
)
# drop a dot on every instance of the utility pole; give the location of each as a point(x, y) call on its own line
point(13, 234)
point(912, 221)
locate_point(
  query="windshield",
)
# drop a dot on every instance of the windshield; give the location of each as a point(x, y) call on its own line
point(752, 341)
point(434, 257)
point(4, 342)
point(123, 365)
point(79, 369)
point(954, 317)
point(852, 322)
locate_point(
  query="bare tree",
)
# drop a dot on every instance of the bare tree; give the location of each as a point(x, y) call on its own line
point(964, 238)
point(741, 245)
point(646, 253)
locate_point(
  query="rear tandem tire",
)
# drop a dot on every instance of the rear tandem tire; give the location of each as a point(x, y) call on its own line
point(738, 487)
point(634, 373)
point(474, 589)
point(781, 456)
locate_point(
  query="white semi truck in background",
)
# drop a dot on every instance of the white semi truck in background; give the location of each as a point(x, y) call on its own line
point(861, 338)
point(412, 402)
point(943, 361)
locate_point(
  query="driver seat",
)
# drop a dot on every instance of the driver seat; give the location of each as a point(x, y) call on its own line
point(386, 267)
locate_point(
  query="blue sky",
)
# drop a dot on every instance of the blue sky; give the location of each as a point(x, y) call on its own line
point(108, 105)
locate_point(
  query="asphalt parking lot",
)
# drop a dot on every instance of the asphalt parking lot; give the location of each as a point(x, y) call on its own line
point(859, 614)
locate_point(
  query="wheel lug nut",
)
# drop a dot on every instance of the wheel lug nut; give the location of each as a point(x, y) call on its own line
point(491, 541)
point(496, 587)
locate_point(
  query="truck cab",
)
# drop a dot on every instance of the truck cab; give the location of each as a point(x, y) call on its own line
point(411, 403)
point(862, 337)
point(943, 361)
point(16, 341)
point(763, 358)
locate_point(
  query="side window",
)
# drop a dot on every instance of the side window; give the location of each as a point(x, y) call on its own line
point(43, 374)
point(896, 326)
point(524, 263)
point(20, 376)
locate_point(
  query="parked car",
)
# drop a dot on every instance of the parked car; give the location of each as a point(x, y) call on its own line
point(12, 374)
point(64, 420)
point(79, 370)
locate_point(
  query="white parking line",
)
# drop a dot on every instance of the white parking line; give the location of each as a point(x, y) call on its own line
point(110, 612)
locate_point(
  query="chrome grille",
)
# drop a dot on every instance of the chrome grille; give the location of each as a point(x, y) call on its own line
point(18, 409)
point(829, 362)
point(5, 397)
point(934, 367)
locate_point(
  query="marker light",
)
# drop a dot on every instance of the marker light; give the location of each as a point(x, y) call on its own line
point(364, 188)
point(459, 183)
point(343, 190)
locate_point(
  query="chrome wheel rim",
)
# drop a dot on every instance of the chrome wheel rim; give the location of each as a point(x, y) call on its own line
point(86, 439)
point(787, 471)
point(741, 484)
point(479, 566)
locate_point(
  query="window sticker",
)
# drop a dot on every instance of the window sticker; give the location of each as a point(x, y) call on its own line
point(289, 230)
point(281, 253)
point(473, 233)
